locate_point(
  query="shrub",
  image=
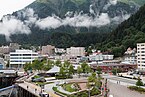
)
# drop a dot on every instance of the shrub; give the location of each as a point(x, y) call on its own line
point(139, 89)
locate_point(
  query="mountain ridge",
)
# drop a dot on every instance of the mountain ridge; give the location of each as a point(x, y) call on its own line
point(67, 29)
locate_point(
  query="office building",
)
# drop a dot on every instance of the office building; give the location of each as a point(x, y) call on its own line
point(20, 57)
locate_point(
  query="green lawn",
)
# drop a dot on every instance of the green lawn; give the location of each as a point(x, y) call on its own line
point(56, 90)
point(68, 87)
point(136, 88)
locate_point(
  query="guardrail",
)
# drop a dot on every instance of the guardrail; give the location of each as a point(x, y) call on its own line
point(10, 87)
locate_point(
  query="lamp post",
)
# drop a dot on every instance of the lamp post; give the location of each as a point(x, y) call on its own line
point(89, 92)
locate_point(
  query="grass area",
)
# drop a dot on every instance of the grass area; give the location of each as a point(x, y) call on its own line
point(136, 88)
point(68, 87)
point(56, 90)
point(36, 76)
point(43, 83)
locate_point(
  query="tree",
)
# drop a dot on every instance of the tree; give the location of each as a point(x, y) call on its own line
point(94, 81)
point(116, 70)
point(28, 66)
point(139, 82)
point(62, 72)
point(99, 70)
point(71, 70)
point(79, 70)
point(85, 68)
point(58, 63)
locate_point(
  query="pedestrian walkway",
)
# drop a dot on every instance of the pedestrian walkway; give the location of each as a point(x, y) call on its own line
point(34, 89)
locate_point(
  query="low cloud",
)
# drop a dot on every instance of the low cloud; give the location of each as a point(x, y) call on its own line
point(11, 25)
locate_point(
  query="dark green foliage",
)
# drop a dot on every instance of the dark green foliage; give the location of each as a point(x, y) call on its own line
point(66, 71)
point(139, 82)
point(95, 91)
point(80, 94)
point(39, 65)
point(127, 34)
point(139, 89)
point(116, 70)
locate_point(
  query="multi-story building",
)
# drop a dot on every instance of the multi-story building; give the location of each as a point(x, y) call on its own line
point(60, 50)
point(141, 56)
point(13, 47)
point(4, 49)
point(130, 56)
point(98, 56)
point(75, 51)
point(47, 50)
point(20, 57)
point(10, 48)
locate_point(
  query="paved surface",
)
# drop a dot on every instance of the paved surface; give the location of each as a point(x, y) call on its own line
point(31, 88)
point(35, 89)
point(118, 90)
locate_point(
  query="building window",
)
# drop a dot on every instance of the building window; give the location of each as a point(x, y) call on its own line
point(142, 51)
point(14, 55)
point(26, 54)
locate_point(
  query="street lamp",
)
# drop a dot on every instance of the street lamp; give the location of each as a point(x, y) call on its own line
point(89, 92)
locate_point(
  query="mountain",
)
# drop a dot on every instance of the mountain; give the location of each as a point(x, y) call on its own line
point(138, 2)
point(65, 23)
point(127, 34)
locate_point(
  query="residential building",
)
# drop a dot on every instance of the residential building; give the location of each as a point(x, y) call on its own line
point(141, 56)
point(48, 50)
point(20, 57)
point(99, 56)
point(130, 56)
point(4, 49)
point(10, 48)
point(13, 47)
point(76, 51)
point(60, 51)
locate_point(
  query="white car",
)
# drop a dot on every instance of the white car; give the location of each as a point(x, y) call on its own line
point(44, 94)
point(110, 95)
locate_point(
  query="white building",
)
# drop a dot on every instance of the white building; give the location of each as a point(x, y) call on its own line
point(130, 56)
point(60, 50)
point(75, 51)
point(141, 56)
point(100, 57)
point(20, 57)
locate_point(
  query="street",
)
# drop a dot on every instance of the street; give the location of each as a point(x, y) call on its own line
point(122, 91)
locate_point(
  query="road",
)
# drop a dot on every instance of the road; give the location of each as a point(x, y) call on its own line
point(121, 79)
point(118, 90)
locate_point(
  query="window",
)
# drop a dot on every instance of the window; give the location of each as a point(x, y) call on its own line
point(142, 51)
point(26, 54)
point(14, 55)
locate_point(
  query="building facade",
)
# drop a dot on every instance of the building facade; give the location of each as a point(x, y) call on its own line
point(130, 56)
point(141, 56)
point(75, 51)
point(20, 57)
point(47, 50)
point(98, 56)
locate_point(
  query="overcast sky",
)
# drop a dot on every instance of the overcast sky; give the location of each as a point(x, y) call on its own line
point(9, 6)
